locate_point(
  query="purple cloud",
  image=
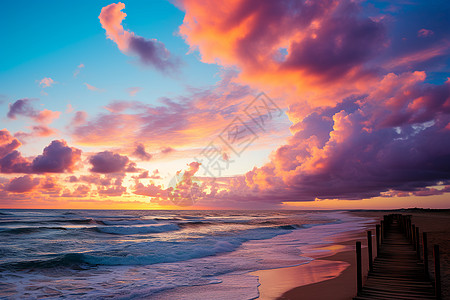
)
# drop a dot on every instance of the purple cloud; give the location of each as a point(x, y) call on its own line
point(56, 158)
point(140, 152)
point(153, 53)
point(108, 162)
point(22, 184)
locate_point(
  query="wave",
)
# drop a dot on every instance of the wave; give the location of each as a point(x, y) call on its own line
point(167, 251)
point(26, 230)
point(128, 222)
point(195, 224)
point(147, 253)
point(57, 221)
point(125, 230)
point(72, 260)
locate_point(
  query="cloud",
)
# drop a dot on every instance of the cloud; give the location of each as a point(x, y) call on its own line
point(78, 70)
point(167, 150)
point(299, 50)
point(36, 131)
point(22, 184)
point(79, 118)
point(11, 161)
point(93, 88)
point(57, 157)
point(395, 138)
point(362, 126)
point(113, 191)
point(140, 152)
point(81, 191)
point(423, 33)
point(108, 162)
point(46, 82)
point(132, 91)
point(7, 143)
point(184, 121)
point(149, 51)
point(23, 107)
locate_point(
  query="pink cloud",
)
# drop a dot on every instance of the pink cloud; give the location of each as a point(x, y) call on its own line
point(425, 33)
point(132, 91)
point(183, 121)
point(150, 51)
point(78, 70)
point(37, 131)
point(93, 88)
point(46, 82)
point(79, 118)
point(11, 161)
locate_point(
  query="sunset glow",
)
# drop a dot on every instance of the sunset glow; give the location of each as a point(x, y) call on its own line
point(197, 104)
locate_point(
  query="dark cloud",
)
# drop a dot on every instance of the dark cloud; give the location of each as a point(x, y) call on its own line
point(343, 41)
point(108, 162)
point(56, 158)
point(15, 163)
point(397, 138)
point(140, 152)
point(153, 53)
point(21, 107)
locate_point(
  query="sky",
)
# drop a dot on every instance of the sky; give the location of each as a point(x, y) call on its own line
point(240, 104)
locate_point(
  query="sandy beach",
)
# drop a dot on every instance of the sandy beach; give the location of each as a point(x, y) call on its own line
point(311, 279)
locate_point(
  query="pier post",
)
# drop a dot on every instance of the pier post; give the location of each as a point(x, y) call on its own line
point(409, 228)
point(378, 239)
point(425, 252)
point(413, 240)
point(369, 247)
point(382, 231)
point(358, 267)
point(437, 272)
point(418, 243)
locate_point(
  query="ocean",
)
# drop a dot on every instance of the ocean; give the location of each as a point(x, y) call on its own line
point(124, 254)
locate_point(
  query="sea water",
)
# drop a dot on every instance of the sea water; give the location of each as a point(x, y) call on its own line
point(124, 254)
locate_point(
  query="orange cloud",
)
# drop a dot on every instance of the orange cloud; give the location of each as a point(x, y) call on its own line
point(303, 53)
point(111, 18)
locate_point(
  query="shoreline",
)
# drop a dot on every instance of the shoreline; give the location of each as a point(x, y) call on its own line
point(343, 286)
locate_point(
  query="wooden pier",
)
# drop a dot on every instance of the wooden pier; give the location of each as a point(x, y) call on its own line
point(398, 271)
